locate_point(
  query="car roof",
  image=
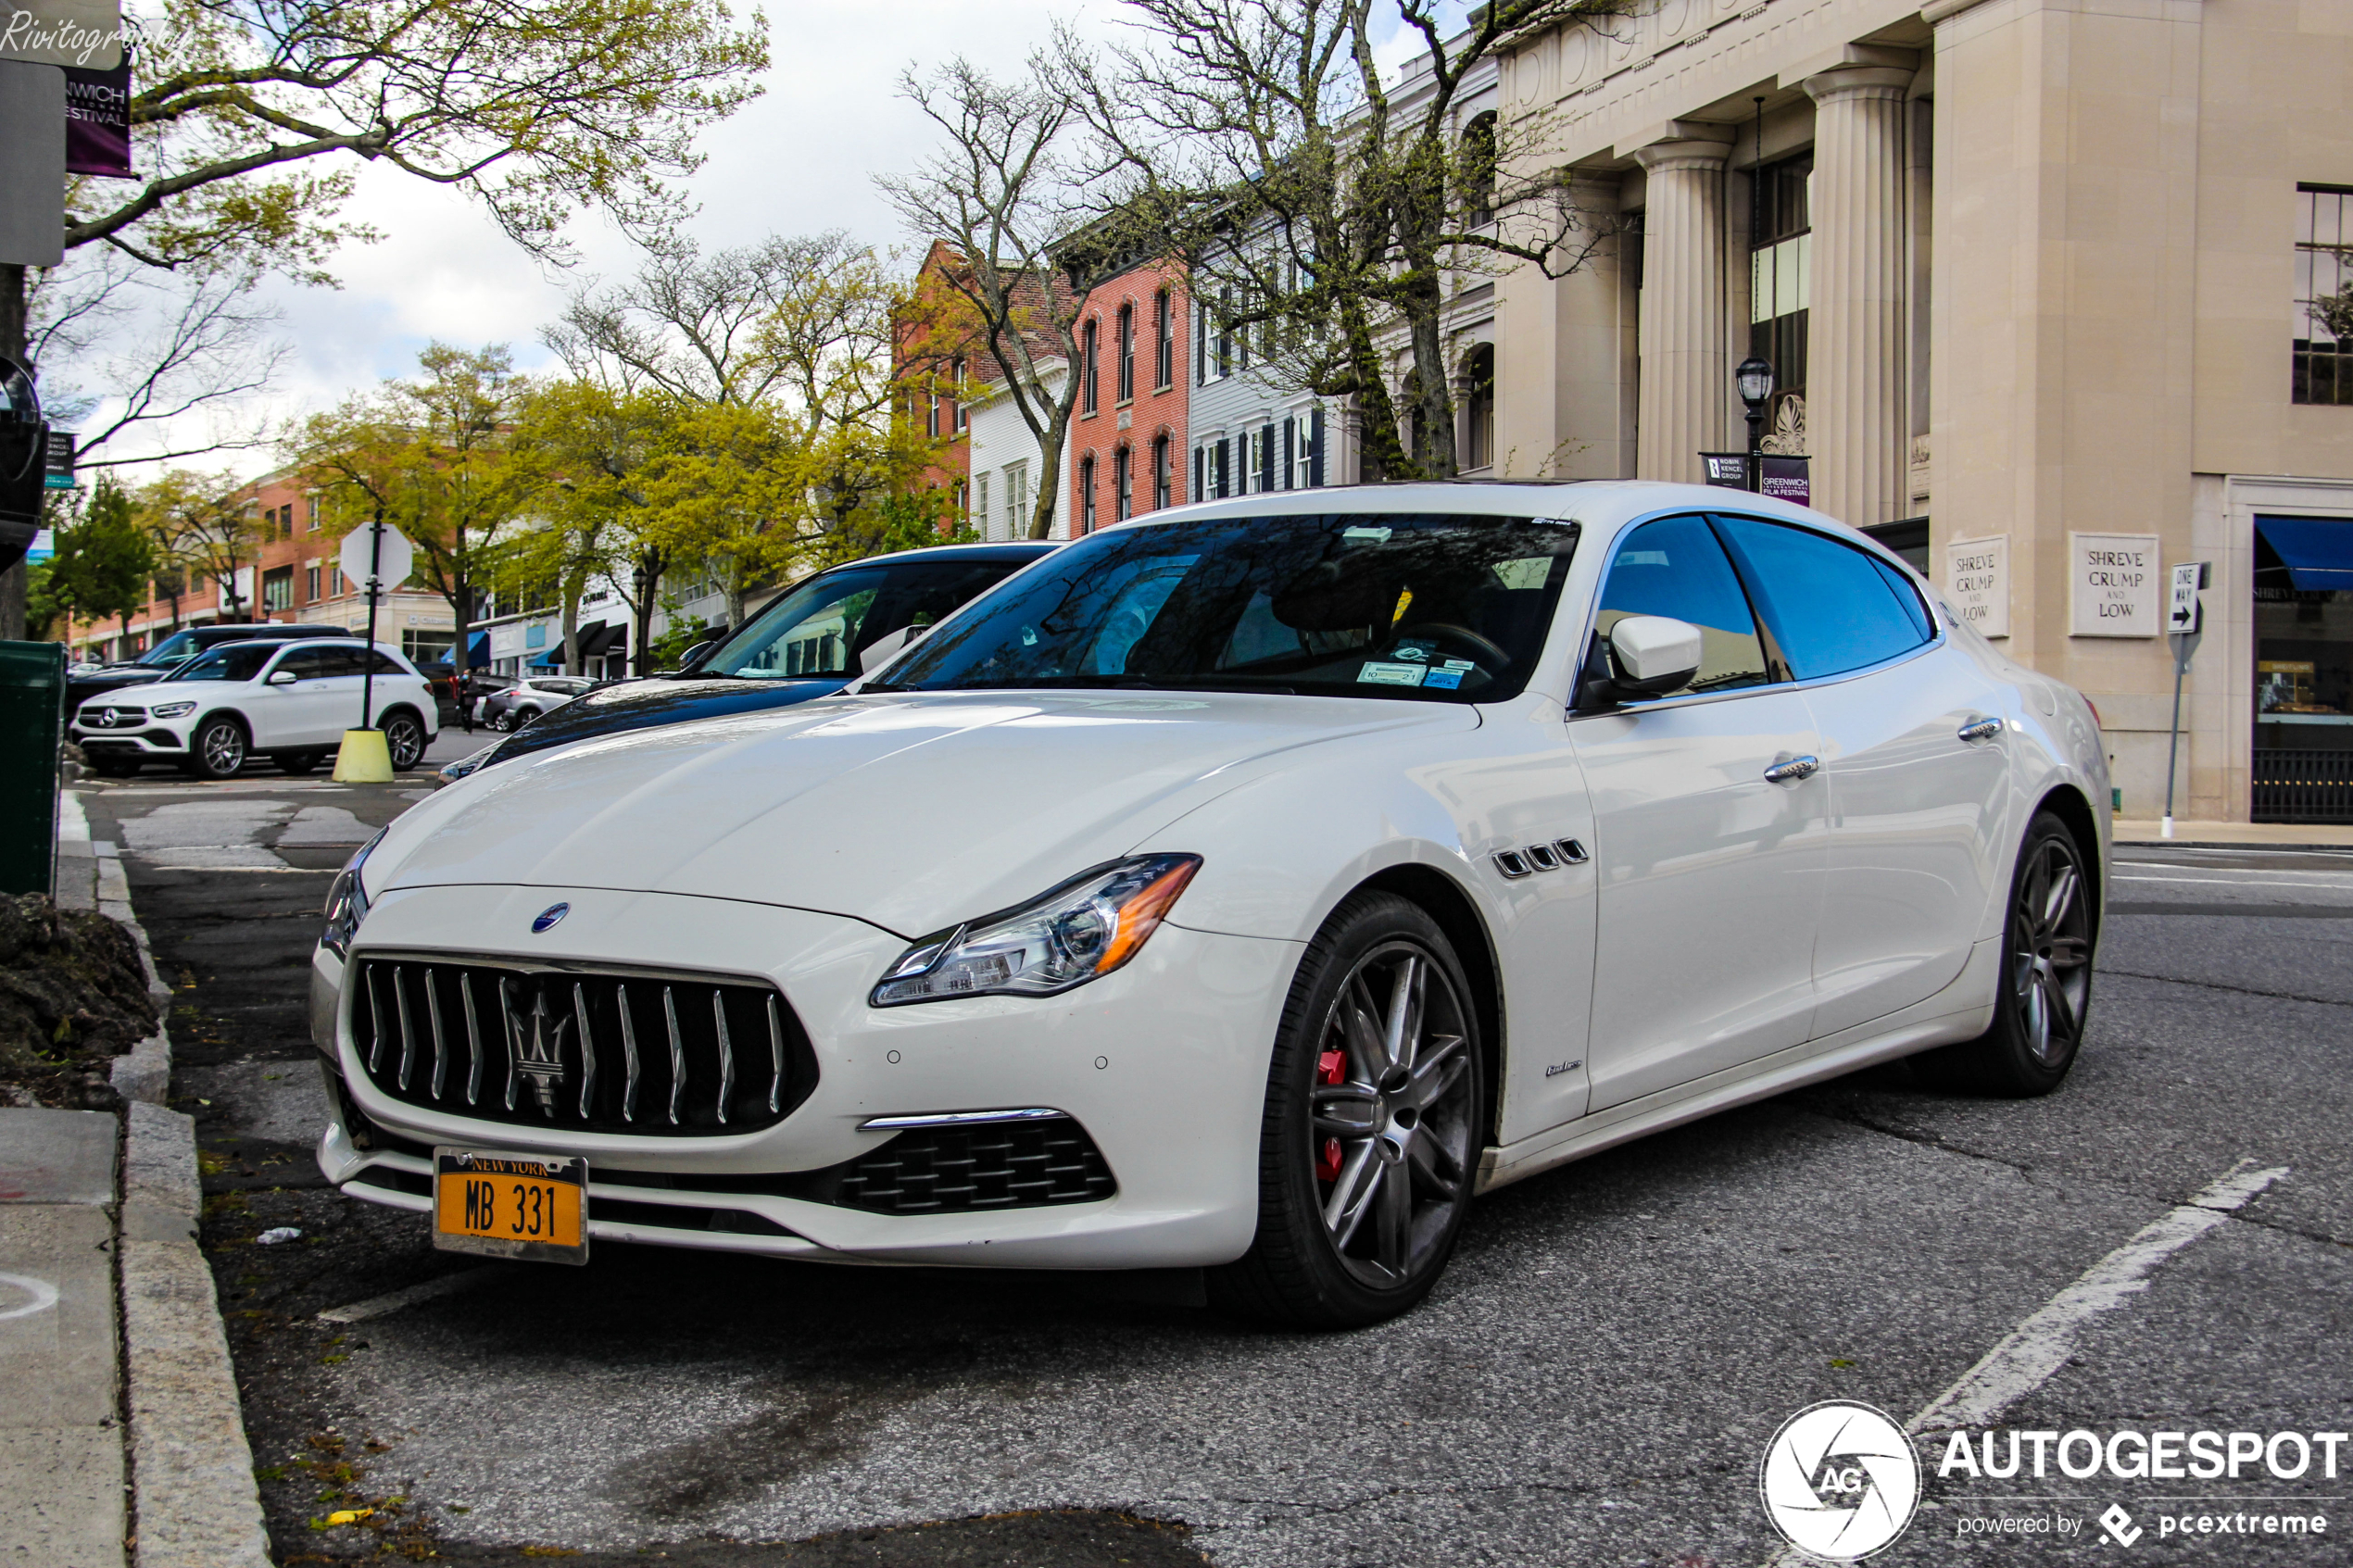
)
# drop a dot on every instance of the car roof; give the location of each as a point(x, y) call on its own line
point(1597, 501)
point(1003, 549)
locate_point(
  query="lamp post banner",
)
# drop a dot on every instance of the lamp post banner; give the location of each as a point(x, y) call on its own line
point(1789, 478)
point(98, 120)
point(85, 34)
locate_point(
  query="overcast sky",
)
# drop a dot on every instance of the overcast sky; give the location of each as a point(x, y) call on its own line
point(799, 159)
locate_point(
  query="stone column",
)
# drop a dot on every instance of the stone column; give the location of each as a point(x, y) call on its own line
point(1856, 424)
point(1682, 311)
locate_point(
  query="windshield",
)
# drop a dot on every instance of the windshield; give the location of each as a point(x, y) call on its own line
point(1430, 607)
point(846, 622)
point(172, 650)
point(232, 661)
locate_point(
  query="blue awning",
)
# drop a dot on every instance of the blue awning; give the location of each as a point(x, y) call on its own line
point(2316, 551)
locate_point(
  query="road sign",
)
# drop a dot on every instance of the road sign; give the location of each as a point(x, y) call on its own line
point(391, 562)
point(2181, 609)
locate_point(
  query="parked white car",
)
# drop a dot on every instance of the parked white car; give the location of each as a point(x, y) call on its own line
point(291, 701)
point(1245, 886)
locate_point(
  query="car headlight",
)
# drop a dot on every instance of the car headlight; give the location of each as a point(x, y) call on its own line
point(1081, 931)
point(172, 711)
point(348, 901)
point(464, 767)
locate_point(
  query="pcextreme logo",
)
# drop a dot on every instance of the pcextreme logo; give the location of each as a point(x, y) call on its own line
point(1840, 1480)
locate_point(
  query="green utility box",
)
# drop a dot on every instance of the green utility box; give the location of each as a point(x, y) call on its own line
point(32, 711)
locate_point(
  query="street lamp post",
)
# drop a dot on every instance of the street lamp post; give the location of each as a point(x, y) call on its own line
point(1755, 381)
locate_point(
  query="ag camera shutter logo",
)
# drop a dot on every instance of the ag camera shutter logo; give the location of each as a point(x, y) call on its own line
point(1840, 1480)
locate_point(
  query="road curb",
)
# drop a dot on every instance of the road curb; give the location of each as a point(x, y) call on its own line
point(194, 1501)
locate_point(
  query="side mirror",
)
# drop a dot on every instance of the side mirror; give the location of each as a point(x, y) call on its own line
point(694, 656)
point(1649, 656)
point(283, 678)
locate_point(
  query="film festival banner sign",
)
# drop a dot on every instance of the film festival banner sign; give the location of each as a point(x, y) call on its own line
point(98, 120)
point(83, 34)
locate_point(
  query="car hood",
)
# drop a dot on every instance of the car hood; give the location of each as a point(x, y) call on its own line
point(146, 693)
point(642, 704)
point(911, 811)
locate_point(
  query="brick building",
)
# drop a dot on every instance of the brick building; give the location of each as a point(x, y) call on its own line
point(1128, 430)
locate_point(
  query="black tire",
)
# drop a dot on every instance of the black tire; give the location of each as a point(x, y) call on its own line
point(115, 767)
point(502, 720)
point(295, 761)
point(1399, 1137)
point(218, 750)
point(524, 716)
point(404, 739)
point(2043, 998)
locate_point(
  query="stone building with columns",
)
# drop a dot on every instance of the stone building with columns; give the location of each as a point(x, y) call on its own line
point(2038, 279)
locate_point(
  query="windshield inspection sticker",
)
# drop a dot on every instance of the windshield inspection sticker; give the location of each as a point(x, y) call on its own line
point(1393, 674)
point(1450, 679)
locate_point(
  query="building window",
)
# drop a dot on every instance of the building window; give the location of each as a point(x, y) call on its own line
point(1165, 335)
point(311, 585)
point(959, 420)
point(931, 415)
point(1086, 493)
point(1127, 352)
point(310, 514)
point(277, 587)
point(980, 505)
point(1479, 171)
point(1781, 280)
point(1086, 370)
point(1016, 500)
point(1160, 469)
point(1123, 484)
point(2324, 357)
point(1478, 406)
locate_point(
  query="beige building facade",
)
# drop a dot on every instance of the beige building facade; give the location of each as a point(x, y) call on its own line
point(2035, 275)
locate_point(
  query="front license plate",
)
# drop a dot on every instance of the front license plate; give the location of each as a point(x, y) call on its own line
point(523, 1206)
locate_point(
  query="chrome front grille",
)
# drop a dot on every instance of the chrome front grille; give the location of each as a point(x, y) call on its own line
point(648, 1054)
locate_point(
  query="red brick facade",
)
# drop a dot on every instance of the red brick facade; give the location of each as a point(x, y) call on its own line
point(1128, 430)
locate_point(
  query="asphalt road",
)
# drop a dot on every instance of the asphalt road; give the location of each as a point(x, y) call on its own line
point(1595, 1380)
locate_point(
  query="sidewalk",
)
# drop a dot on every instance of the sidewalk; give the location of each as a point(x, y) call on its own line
point(122, 1443)
point(2326, 836)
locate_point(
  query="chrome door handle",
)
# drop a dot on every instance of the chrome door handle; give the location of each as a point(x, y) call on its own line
point(1796, 767)
point(1981, 729)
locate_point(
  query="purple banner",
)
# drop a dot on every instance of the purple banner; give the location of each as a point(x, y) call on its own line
point(1786, 479)
point(98, 120)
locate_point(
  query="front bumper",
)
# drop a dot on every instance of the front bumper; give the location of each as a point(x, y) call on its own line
point(1163, 1064)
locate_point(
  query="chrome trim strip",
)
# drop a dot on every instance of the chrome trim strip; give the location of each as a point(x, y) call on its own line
point(433, 1016)
point(408, 1035)
point(588, 1047)
point(628, 1056)
point(957, 1119)
point(776, 1056)
point(726, 1054)
point(376, 1016)
point(473, 1037)
point(1571, 852)
point(1513, 864)
point(677, 1054)
point(506, 1031)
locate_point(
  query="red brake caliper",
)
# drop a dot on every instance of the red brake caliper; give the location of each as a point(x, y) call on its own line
point(1330, 1068)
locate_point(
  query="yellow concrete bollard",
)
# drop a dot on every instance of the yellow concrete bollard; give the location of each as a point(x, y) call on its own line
point(363, 759)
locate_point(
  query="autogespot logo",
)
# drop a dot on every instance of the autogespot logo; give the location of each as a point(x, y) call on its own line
point(1840, 1480)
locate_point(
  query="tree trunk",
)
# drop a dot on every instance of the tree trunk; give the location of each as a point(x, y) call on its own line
point(571, 625)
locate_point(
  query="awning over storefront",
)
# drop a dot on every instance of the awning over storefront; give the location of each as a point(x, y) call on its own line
point(2316, 551)
point(594, 638)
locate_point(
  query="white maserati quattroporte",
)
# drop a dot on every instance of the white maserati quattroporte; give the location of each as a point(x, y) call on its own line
point(1244, 887)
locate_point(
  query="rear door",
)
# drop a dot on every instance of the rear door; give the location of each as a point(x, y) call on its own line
point(297, 713)
point(1913, 758)
point(1710, 874)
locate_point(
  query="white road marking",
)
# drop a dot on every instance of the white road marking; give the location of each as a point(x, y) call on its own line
point(43, 1296)
point(2036, 1349)
point(2024, 1361)
point(394, 1300)
point(2345, 887)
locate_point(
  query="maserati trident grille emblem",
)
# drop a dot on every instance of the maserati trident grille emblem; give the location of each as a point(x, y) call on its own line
point(538, 1043)
point(548, 917)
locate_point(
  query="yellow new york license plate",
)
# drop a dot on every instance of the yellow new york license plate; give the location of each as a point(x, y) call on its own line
point(511, 1205)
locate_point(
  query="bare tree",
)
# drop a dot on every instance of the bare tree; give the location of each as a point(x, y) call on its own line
point(1009, 196)
point(142, 350)
point(1321, 209)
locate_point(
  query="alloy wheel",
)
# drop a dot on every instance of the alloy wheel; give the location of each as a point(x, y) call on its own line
point(1391, 1115)
point(405, 740)
point(224, 749)
point(2051, 951)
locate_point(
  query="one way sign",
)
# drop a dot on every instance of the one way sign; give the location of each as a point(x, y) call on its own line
point(2181, 611)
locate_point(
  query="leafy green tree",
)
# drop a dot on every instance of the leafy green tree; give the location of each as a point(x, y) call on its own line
point(103, 560)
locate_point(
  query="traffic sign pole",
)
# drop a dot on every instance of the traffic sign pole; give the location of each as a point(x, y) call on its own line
point(2185, 620)
point(368, 669)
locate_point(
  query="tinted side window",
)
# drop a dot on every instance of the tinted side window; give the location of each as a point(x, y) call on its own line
point(339, 661)
point(385, 664)
point(303, 664)
point(1833, 608)
point(1674, 566)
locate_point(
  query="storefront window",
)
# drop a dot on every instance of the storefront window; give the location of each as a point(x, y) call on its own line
point(2303, 670)
point(1780, 285)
